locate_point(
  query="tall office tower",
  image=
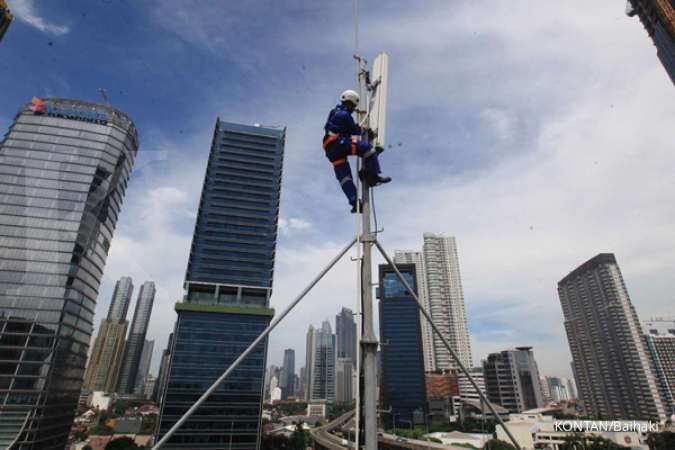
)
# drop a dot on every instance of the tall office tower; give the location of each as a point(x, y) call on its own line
point(64, 166)
point(466, 389)
point(321, 363)
point(163, 374)
point(614, 374)
point(287, 379)
point(344, 380)
point(512, 380)
point(417, 258)
point(402, 383)
point(144, 367)
point(228, 285)
point(345, 335)
point(106, 357)
point(660, 337)
point(5, 18)
point(133, 351)
point(658, 18)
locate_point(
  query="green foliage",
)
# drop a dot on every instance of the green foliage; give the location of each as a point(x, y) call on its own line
point(582, 442)
point(122, 444)
point(496, 444)
point(661, 441)
point(291, 409)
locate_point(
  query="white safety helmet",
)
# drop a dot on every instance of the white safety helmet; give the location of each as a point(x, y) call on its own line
point(350, 96)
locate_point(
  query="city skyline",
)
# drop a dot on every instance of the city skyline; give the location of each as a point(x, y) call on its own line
point(541, 242)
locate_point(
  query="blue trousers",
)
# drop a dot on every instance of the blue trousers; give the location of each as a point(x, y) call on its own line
point(337, 153)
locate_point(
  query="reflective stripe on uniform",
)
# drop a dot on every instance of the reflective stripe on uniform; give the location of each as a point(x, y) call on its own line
point(346, 179)
point(354, 145)
point(329, 140)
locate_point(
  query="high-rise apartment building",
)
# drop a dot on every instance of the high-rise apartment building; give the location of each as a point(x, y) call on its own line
point(442, 296)
point(612, 367)
point(133, 350)
point(658, 18)
point(320, 364)
point(512, 380)
point(106, 357)
point(64, 167)
point(144, 367)
point(402, 383)
point(287, 378)
point(660, 337)
point(228, 285)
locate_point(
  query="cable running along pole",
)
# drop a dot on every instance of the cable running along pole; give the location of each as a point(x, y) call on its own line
point(446, 343)
point(250, 348)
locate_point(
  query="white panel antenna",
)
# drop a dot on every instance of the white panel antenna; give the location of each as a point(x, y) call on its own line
point(378, 111)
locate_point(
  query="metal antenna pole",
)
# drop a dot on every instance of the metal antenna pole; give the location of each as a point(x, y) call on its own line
point(446, 343)
point(250, 348)
point(368, 339)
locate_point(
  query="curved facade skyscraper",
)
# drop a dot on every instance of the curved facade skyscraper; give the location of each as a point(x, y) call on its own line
point(64, 166)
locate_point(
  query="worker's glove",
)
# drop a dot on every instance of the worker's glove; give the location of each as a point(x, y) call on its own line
point(371, 135)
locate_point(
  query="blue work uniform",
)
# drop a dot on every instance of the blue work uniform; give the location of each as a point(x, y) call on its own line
point(340, 141)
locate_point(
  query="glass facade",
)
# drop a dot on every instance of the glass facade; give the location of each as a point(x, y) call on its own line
point(228, 284)
point(134, 347)
point(402, 385)
point(64, 166)
point(233, 247)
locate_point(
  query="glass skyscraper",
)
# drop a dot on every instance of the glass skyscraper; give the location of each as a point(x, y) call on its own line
point(227, 290)
point(402, 384)
point(134, 347)
point(64, 166)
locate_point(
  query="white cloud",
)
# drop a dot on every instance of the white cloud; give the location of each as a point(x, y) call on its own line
point(289, 226)
point(500, 121)
point(25, 10)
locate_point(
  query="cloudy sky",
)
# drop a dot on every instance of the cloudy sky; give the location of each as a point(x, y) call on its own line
point(537, 133)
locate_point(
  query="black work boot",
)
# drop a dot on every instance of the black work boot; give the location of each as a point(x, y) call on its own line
point(358, 204)
point(378, 180)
